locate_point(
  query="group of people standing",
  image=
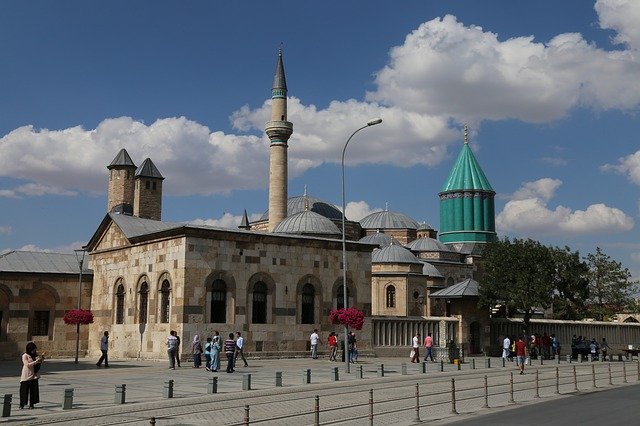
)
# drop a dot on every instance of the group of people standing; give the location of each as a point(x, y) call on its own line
point(332, 343)
point(232, 347)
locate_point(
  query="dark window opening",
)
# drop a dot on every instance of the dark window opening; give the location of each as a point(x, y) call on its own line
point(165, 292)
point(391, 297)
point(340, 298)
point(40, 323)
point(218, 302)
point(120, 305)
point(308, 304)
point(259, 310)
point(144, 303)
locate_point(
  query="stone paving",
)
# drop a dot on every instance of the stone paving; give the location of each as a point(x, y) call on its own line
point(345, 401)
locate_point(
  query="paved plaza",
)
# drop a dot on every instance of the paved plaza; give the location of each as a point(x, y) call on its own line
point(346, 401)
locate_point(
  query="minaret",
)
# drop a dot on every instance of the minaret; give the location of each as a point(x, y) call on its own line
point(148, 193)
point(279, 130)
point(467, 211)
point(121, 184)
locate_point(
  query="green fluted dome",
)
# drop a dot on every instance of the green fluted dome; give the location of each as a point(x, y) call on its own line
point(466, 174)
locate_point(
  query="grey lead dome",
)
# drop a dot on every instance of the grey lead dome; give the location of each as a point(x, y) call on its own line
point(388, 220)
point(307, 222)
point(394, 254)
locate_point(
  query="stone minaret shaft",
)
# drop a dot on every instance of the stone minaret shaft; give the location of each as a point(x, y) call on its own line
point(279, 130)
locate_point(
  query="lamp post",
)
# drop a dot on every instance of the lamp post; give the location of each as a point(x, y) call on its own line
point(344, 246)
point(80, 258)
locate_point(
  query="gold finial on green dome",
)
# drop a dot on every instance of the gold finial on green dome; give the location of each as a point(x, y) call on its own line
point(466, 134)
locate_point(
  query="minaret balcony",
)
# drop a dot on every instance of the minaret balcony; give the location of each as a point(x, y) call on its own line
point(279, 129)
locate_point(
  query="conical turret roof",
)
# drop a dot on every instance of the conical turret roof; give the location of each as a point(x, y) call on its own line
point(466, 173)
point(279, 82)
point(148, 169)
point(121, 160)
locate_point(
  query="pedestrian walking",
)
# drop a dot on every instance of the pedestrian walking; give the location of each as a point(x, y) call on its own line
point(172, 346)
point(506, 347)
point(314, 339)
point(428, 347)
point(416, 348)
point(332, 342)
point(240, 349)
point(196, 350)
point(104, 348)
point(521, 354)
point(207, 354)
point(604, 348)
point(352, 345)
point(230, 351)
point(354, 358)
point(29, 389)
point(216, 346)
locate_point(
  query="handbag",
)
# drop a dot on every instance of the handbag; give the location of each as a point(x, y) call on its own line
point(412, 353)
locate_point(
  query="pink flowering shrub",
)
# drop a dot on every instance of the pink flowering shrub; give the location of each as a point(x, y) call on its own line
point(78, 316)
point(351, 317)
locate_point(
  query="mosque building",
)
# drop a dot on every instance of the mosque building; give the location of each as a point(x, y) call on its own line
point(275, 279)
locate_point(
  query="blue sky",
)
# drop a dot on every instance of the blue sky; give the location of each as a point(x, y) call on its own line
point(549, 90)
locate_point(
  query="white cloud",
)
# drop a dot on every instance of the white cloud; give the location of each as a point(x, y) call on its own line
point(226, 221)
point(5, 230)
point(629, 165)
point(35, 189)
point(635, 256)
point(357, 210)
point(66, 248)
point(532, 216)
point(554, 161)
point(622, 16)
point(447, 68)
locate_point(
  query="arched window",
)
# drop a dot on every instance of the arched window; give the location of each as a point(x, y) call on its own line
point(120, 304)
point(165, 299)
point(449, 281)
point(218, 302)
point(308, 304)
point(259, 311)
point(391, 297)
point(340, 297)
point(144, 303)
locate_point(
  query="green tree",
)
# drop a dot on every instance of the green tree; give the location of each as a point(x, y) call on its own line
point(571, 284)
point(610, 286)
point(518, 273)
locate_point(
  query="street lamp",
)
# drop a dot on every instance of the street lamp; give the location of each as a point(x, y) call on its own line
point(344, 246)
point(80, 258)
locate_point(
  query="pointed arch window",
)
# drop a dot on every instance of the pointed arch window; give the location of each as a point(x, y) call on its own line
point(165, 300)
point(218, 306)
point(259, 309)
point(391, 297)
point(308, 304)
point(144, 303)
point(340, 298)
point(120, 304)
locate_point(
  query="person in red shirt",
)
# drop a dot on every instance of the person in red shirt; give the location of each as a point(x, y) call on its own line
point(428, 346)
point(333, 346)
point(521, 354)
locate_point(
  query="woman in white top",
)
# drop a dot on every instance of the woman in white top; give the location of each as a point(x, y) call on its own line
point(29, 392)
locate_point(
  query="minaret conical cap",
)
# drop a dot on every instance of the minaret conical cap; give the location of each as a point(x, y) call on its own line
point(279, 81)
point(149, 170)
point(122, 160)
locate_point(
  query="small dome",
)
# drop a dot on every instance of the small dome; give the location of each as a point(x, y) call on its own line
point(305, 202)
point(379, 238)
point(307, 222)
point(427, 244)
point(431, 271)
point(425, 227)
point(388, 220)
point(393, 254)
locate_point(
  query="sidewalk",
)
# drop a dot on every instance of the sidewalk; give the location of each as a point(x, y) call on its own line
point(94, 390)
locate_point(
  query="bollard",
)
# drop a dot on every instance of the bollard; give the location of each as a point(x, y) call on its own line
point(6, 405)
point(619, 357)
point(167, 390)
point(371, 404)
point(67, 400)
point(575, 380)
point(246, 415)
point(212, 387)
point(417, 418)
point(487, 363)
point(541, 360)
point(537, 395)
point(120, 396)
point(581, 358)
point(504, 362)
point(403, 368)
point(473, 364)
point(336, 374)
point(441, 365)
point(278, 379)
point(486, 392)
point(317, 411)
point(459, 365)
point(610, 378)
point(424, 367)
point(359, 374)
point(246, 382)
point(152, 421)
point(558, 358)
point(593, 375)
point(624, 371)
point(453, 397)
point(511, 387)
point(639, 369)
point(381, 370)
point(557, 381)
point(306, 376)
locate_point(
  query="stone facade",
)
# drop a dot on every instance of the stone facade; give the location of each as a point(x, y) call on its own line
point(148, 198)
point(121, 187)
